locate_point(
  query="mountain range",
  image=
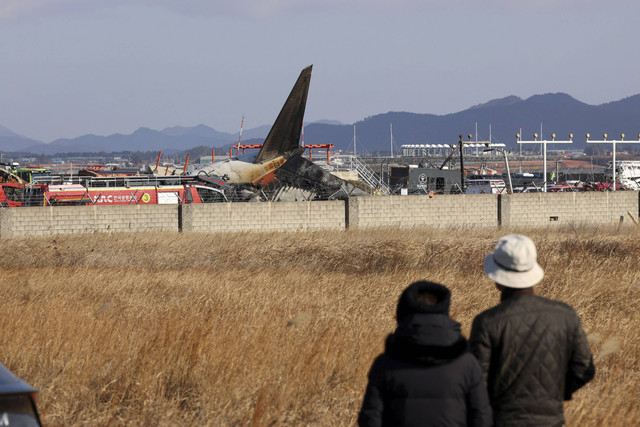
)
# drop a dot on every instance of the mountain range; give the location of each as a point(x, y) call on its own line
point(499, 119)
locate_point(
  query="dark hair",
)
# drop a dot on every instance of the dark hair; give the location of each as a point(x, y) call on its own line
point(410, 301)
point(428, 298)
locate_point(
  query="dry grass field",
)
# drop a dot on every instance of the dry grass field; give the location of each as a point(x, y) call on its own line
point(278, 329)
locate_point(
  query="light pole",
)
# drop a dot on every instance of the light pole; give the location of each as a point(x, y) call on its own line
point(461, 165)
point(544, 143)
point(613, 142)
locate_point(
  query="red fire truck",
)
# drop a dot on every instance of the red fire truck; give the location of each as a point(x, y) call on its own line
point(11, 194)
point(76, 194)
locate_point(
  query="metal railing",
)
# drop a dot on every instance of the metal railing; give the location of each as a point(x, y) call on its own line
point(368, 176)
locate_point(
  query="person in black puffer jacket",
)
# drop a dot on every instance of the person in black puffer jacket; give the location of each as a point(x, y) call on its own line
point(533, 351)
point(426, 376)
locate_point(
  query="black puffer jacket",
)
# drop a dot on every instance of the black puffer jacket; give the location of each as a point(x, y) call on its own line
point(426, 376)
point(534, 354)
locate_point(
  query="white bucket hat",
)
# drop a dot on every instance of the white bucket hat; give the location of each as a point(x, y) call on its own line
point(514, 263)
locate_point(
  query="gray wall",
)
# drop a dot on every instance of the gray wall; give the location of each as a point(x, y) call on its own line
point(548, 209)
point(268, 216)
point(47, 220)
point(450, 210)
point(441, 211)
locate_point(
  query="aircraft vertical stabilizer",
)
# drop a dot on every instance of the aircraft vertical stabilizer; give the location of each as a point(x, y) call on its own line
point(284, 135)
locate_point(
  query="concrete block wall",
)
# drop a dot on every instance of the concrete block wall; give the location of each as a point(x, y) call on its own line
point(280, 216)
point(40, 221)
point(577, 208)
point(441, 211)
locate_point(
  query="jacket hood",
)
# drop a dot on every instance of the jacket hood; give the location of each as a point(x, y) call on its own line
point(427, 338)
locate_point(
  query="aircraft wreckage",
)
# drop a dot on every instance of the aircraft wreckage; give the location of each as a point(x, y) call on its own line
point(279, 164)
point(276, 172)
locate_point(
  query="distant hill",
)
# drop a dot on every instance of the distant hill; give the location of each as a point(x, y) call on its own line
point(557, 113)
point(502, 102)
point(6, 132)
point(143, 139)
point(11, 141)
point(199, 130)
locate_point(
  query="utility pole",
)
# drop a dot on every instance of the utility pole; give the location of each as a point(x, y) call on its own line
point(461, 143)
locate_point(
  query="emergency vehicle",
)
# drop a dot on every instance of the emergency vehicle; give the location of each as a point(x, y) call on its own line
point(76, 194)
point(486, 186)
point(11, 194)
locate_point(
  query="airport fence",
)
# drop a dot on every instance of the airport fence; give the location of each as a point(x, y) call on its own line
point(403, 212)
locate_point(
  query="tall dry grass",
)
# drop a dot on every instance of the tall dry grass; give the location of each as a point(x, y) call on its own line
point(261, 329)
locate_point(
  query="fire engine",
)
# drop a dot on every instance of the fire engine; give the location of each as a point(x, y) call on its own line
point(11, 194)
point(76, 194)
point(14, 195)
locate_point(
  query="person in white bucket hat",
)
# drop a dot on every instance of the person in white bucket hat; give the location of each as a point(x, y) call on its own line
point(514, 262)
point(532, 350)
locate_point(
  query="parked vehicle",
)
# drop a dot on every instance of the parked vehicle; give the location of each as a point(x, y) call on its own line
point(33, 175)
point(627, 173)
point(11, 194)
point(76, 194)
point(486, 186)
point(14, 195)
point(601, 186)
point(559, 188)
point(17, 401)
point(529, 189)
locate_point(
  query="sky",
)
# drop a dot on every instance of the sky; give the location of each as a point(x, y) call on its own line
point(75, 67)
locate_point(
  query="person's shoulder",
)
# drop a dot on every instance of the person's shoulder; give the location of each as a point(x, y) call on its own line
point(489, 313)
point(385, 362)
point(468, 366)
point(555, 305)
point(484, 322)
point(469, 360)
point(379, 366)
point(520, 303)
point(381, 360)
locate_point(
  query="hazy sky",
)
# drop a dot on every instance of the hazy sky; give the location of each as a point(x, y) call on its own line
point(71, 67)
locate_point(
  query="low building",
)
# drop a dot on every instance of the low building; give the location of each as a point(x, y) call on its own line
point(425, 180)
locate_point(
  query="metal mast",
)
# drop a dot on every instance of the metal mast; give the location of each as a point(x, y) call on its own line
point(391, 131)
point(354, 140)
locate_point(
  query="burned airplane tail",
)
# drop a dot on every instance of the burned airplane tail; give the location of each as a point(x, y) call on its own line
point(284, 135)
